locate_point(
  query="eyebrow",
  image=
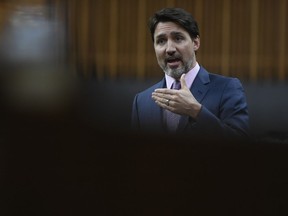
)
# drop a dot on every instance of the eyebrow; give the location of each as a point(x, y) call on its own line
point(177, 33)
point(174, 33)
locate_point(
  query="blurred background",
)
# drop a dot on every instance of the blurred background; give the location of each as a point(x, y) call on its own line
point(69, 70)
point(83, 61)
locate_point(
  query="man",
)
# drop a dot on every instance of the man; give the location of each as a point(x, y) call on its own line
point(188, 99)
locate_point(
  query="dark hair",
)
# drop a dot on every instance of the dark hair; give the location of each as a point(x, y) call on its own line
point(176, 15)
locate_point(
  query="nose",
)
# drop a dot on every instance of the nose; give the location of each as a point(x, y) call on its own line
point(171, 49)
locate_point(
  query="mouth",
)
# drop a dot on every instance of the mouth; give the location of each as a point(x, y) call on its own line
point(173, 62)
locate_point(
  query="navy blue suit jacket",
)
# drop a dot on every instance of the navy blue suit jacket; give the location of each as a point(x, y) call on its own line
point(224, 109)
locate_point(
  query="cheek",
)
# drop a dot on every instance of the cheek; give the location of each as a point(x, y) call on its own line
point(159, 54)
point(189, 54)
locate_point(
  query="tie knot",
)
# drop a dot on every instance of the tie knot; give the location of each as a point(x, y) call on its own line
point(176, 85)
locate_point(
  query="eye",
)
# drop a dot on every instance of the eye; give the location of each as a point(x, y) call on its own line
point(179, 38)
point(160, 41)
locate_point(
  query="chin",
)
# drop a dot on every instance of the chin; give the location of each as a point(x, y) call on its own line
point(176, 73)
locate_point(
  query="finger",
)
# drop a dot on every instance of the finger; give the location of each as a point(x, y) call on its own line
point(183, 82)
point(163, 91)
point(163, 105)
point(159, 95)
point(160, 98)
point(162, 101)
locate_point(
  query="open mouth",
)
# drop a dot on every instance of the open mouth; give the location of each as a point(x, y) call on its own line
point(173, 62)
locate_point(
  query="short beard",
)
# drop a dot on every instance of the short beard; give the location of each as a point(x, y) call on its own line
point(176, 73)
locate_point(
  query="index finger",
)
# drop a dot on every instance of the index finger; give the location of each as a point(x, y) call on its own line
point(164, 91)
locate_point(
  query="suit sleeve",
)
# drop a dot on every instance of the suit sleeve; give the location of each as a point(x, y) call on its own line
point(232, 119)
point(135, 118)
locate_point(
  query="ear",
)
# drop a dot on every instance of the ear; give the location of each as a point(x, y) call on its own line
point(196, 42)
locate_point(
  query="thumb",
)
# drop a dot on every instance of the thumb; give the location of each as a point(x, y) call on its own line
point(182, 81)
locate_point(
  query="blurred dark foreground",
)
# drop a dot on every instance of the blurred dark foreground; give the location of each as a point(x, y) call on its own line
point(82, 159)
point(47, 173)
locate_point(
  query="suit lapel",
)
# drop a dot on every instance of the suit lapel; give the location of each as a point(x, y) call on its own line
point(199, 89)
point(200, 85)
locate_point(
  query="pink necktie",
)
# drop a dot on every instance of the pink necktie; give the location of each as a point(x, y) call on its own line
point(172, 119)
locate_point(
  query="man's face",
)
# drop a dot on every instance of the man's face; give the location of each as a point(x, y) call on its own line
point(174, 48)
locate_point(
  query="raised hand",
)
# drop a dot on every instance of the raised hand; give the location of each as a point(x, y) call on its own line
point(178, 101)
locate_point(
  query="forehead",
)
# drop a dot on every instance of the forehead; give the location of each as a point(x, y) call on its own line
point(166, 28)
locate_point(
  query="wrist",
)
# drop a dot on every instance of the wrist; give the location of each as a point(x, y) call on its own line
point(195, 111)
